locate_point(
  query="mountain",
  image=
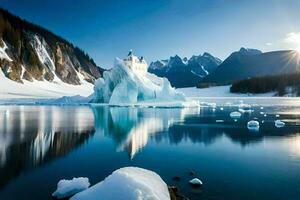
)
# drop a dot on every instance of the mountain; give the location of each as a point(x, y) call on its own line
point(183, 72)
point(30, 52)
point(247, 63)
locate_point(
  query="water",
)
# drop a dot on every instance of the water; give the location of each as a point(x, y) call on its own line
point(39, 145)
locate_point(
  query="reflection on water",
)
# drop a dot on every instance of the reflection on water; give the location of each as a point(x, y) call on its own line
point(131, 128)
point(30, 136)
point(93, 141)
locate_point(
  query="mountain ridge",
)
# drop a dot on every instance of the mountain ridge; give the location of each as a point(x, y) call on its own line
point(30, 52)
point(184, 72)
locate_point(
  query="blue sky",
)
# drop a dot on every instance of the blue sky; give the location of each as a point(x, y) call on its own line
point(158, 29)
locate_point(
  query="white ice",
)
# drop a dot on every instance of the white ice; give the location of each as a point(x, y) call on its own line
point(130, 183)
point(67, 188)
point(253, 125)
point(235, 115)
point(279, 123)
point(196, 182)
point(122, 86)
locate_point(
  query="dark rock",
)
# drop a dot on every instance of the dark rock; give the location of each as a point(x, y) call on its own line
point(175, 194)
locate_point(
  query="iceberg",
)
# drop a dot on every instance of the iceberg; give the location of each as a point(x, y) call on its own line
point(196, 182)
point(253, 125)
point(123, 86)
point(128, 183)
point(279, 123)
point(67, 188)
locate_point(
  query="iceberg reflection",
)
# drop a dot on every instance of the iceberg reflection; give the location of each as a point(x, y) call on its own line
point(131, 128)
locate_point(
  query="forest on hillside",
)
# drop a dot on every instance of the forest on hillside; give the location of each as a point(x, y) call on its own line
point(277, 83)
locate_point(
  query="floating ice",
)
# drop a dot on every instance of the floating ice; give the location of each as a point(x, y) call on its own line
point(235, 115)
point(279, 123)
point(67, 188)
point(277, 115)
point(221, 108)
point(245, 108)
point(261, 107)
point(130, 183)
point(253, 125)
point(196, 182)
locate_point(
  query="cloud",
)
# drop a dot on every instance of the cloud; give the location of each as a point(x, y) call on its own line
point(292, 38)
point(269, 44)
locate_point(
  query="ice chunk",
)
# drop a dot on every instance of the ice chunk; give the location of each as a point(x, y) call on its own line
point(235, 115)
point(67, 188)
point(121, 85)
point(196, 182)
point(253, 125)
point(245, 108)
point(279, 123)
point(130, 183)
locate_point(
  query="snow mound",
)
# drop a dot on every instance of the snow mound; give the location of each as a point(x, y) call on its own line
point(121, 85)
point(66, 188)
point(130, 183)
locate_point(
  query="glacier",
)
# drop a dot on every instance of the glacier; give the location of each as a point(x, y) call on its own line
point(121, 86)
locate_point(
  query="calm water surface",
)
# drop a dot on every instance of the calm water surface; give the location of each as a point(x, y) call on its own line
point(39, 145)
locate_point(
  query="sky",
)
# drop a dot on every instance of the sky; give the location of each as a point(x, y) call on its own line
point(158, 29)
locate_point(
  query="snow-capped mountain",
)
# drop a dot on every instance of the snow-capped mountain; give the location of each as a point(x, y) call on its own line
point(184, 72)
point(247, 63)
point(30, 53)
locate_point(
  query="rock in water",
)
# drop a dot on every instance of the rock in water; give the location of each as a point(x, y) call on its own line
point(253, 125)
point(67, 188)
point(279, 123)
point(130, 183)
point(196, 182)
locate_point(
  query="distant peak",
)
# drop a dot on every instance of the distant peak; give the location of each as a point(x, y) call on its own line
point(248, 51)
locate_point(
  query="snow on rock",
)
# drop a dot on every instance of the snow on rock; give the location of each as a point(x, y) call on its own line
point(40, 46)
point(121, 85)
point(130, 183)
point(67, 188)
point(235, 115)
point(253, 125)
point(195, 182)
point(3, 54)
point(279, 123)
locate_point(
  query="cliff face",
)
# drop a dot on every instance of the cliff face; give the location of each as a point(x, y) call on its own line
point(29, 52)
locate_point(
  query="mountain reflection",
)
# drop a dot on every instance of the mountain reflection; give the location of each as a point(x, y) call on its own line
point(132, 128)
point(31, 136)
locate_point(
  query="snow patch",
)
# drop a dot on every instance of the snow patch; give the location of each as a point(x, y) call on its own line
point(3, 54)
point(130, 183)
point(40, 47)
